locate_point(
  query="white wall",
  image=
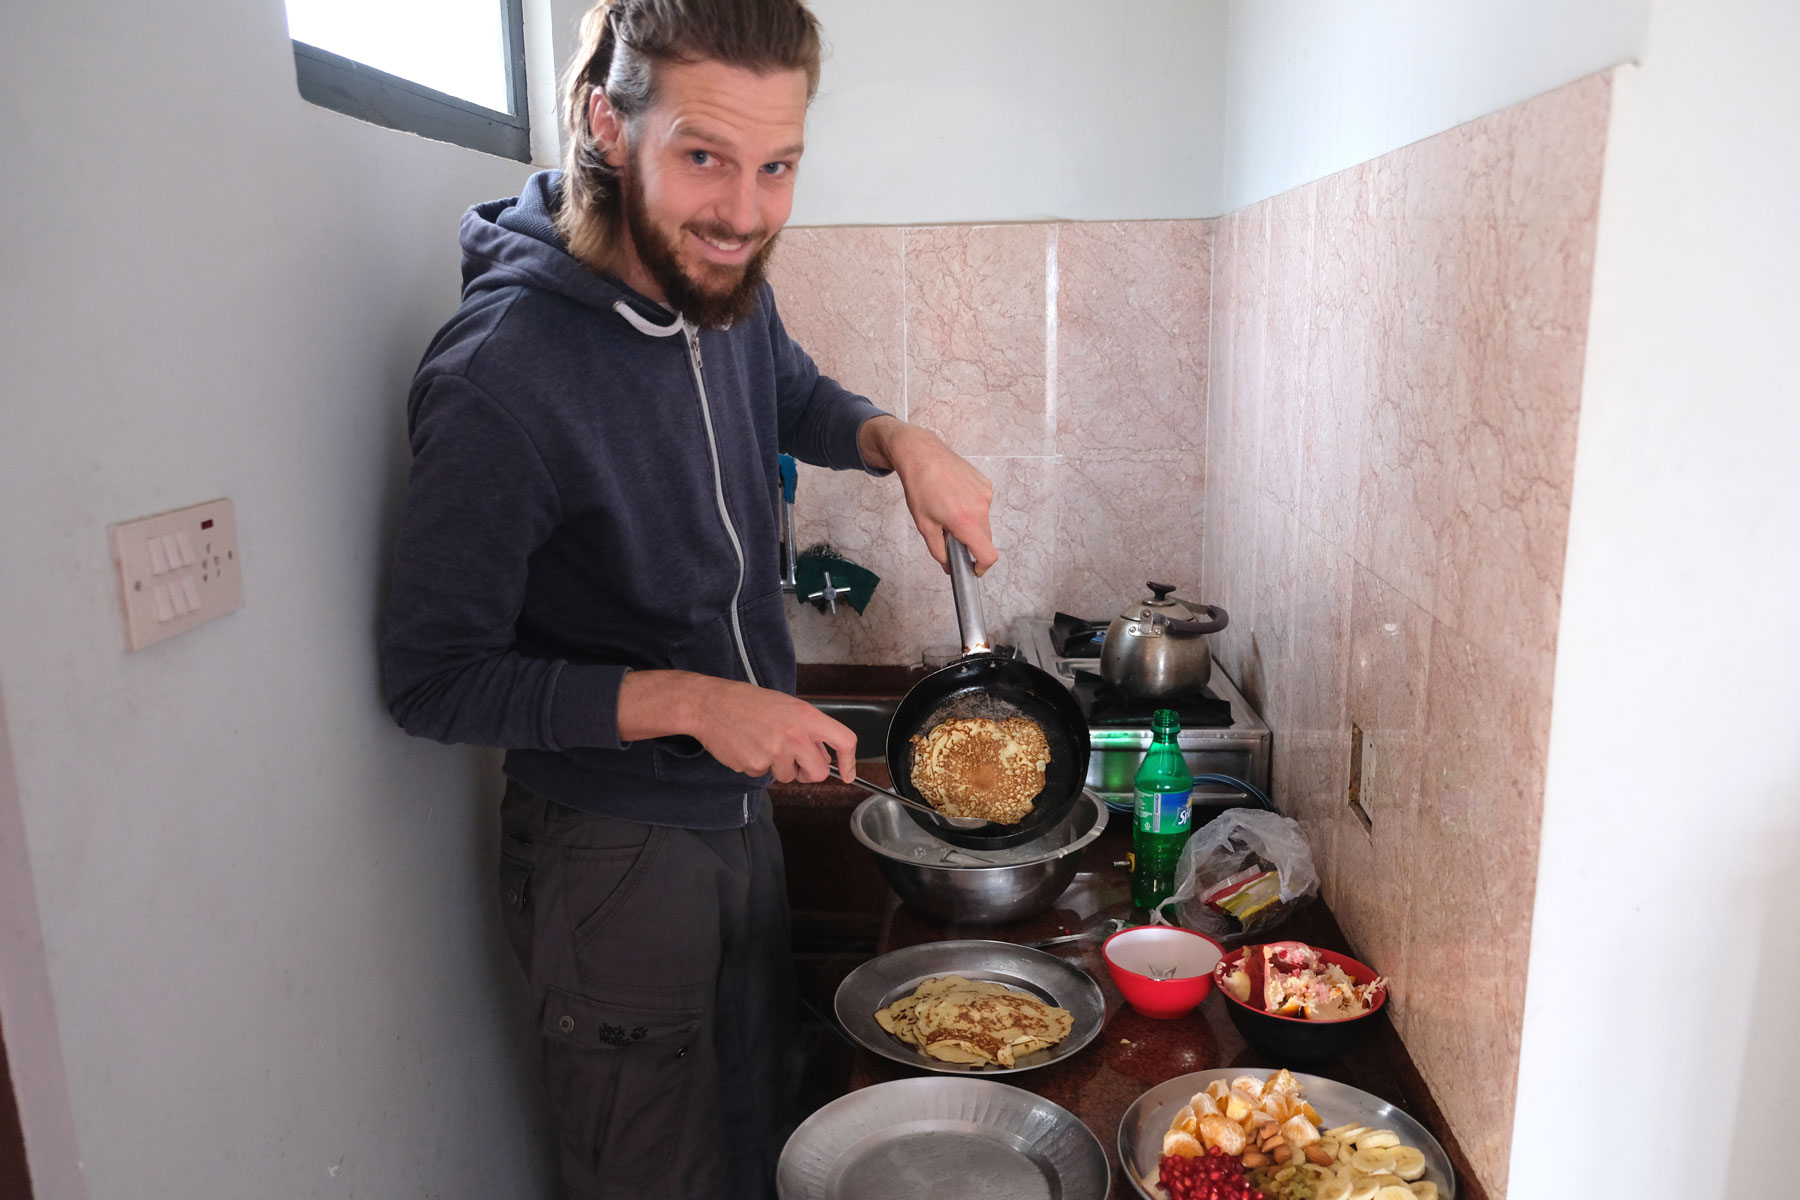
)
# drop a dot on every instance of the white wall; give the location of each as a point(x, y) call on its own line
point(1015, 110)
point(266, 915)
point(1315, 86)
point(1008, 110)
point(1666, 945)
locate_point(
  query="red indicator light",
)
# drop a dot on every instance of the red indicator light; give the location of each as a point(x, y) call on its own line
point(206, 524)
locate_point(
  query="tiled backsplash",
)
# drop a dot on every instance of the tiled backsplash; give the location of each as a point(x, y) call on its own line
point(1366, 458)
point(1068, 361)
point(1396, 358)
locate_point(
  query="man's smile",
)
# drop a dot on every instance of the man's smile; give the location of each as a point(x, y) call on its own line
point(724, 250)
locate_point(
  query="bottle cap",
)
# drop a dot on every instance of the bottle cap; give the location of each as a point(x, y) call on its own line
point(1165, 720)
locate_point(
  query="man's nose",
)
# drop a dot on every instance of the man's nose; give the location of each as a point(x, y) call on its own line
point(738, 206)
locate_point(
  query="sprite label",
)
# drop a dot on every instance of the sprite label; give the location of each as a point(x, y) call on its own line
point(1163, 812)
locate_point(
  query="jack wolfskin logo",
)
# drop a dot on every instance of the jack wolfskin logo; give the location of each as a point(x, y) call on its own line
point(618, 1035)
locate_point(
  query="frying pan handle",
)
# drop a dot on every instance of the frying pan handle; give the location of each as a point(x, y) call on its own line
point(969, 621)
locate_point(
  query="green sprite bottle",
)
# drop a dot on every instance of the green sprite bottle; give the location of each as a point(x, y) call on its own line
point(1164, 785)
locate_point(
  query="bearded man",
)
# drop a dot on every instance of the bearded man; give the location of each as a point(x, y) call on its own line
point(586, 575)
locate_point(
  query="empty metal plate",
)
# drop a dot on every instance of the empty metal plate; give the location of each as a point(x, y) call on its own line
point(881, 981)
point(1141, 1129)
point(940, 1138)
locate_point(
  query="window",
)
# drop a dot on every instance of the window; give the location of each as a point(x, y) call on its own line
point(453, 70)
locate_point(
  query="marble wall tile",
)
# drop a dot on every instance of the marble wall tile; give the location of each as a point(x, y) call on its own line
point(1131, 335)
point(1122, 519)
point(1288, 332)
point(1334, 401)
point(840, 293)
point(977, 336)
point(1249, 321)
point(1479, 813)
point(1021, 583)
point(865, 520)
point(1395, 373)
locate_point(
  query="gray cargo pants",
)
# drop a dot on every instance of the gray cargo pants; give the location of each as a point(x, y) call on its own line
point(662, 984)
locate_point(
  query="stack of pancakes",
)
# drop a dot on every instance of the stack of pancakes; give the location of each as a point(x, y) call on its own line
point(978, 767)
point(963, 1021)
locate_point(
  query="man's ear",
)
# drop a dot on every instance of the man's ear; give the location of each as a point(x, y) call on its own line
point(607, 130)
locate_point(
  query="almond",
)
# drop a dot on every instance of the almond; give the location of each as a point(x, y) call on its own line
point(1255, 1158)
point(1316, 1154)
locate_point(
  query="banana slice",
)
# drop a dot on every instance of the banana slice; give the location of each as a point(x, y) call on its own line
point(1394, 1193)
point(1336, 1189)
point(1409, 1163)
point(1424, 1190)
point(1372, 1162)
point(1381, 1139)
point(1363, 1189)
point(1347, 1133)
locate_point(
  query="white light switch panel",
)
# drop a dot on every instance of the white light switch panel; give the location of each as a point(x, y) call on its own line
point(177, 570)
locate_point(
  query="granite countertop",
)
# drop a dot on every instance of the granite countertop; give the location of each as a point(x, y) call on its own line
point(1132, 1053)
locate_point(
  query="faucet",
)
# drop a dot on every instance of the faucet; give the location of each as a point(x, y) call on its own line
point(826, 598)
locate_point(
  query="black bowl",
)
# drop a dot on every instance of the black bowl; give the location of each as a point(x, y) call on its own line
point(1287, 1040)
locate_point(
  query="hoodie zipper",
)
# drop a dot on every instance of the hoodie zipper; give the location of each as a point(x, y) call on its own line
point(737, 546)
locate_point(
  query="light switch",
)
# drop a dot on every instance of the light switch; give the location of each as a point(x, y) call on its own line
point(166, 587)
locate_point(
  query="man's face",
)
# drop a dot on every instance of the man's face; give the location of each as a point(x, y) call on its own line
point(708, 181)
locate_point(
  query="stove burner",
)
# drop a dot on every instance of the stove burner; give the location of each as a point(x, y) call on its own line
point(1072, 637)
point(1106, 706)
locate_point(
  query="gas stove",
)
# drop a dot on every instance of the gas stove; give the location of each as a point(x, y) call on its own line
point(1220, 733)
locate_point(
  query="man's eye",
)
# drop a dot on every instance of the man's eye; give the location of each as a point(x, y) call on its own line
point(700, 157)
point(777, 168)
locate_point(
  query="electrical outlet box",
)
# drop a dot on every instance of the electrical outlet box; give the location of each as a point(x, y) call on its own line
point(177, 570)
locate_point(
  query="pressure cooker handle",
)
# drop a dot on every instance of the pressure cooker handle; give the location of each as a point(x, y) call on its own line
point(1217, 619)
point(967, 591)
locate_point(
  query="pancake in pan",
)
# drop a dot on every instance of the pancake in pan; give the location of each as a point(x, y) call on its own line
point(980, 767)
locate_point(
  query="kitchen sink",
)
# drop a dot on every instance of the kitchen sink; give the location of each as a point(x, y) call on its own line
point(868, 719)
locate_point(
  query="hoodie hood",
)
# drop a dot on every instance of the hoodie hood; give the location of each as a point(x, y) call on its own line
point(513, 242)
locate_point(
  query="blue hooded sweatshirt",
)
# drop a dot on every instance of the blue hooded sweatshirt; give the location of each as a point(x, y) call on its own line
point(594, 489)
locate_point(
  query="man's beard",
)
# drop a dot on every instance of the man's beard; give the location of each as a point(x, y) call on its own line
point(702, 306)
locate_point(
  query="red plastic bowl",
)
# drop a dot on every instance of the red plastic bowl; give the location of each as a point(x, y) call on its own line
point(1131, 953)
point(1294, 1039)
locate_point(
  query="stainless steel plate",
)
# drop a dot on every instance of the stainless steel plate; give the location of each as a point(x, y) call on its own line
point(1142, 1128)
point(881, 981)
point(937, 1138)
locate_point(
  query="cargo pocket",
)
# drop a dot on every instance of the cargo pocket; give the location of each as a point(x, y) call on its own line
point(515, 899)
point(622, 1081)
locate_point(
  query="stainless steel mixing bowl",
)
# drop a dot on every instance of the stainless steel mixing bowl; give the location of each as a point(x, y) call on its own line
point(987, 887)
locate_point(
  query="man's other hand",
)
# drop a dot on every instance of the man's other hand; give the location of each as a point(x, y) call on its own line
point(943, 489)
point(750, 729)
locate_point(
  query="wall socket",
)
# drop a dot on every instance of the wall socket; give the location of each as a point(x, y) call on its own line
point(177, 570)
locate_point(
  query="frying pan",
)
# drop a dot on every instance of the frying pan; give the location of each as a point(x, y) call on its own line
point(984, 684)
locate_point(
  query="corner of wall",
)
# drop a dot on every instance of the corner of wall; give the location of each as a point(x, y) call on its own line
point(28, 1009)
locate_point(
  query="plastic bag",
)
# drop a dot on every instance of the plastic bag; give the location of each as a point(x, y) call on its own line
point(1240, 874)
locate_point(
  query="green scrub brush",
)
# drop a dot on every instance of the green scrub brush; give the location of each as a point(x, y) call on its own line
point(854, 584)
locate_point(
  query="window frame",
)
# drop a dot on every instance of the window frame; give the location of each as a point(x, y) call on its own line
point(369, 94)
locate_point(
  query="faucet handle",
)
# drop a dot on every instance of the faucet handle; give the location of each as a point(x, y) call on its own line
point(826, 597)
point(790, 476)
